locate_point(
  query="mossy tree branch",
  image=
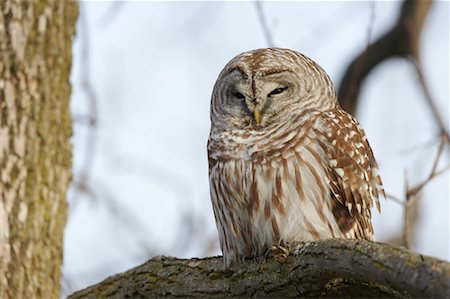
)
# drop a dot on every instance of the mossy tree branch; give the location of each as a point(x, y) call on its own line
point(328, 268)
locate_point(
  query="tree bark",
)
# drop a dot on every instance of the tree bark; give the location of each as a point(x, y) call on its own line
point(328, 268)
point(35, 152)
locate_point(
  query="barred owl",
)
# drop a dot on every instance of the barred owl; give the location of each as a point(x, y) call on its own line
point(286, 163)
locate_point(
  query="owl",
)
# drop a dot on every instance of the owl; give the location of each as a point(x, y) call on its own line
point(286, 163)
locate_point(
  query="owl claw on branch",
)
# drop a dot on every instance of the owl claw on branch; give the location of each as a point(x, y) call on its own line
point(279, 252)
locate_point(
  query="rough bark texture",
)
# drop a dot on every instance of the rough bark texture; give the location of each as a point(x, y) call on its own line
point(35, 152)
point(329, 268)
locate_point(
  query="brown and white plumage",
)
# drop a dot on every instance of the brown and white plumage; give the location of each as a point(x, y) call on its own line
point(286, 163)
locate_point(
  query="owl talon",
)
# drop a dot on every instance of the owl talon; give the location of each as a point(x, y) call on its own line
point(279, 253)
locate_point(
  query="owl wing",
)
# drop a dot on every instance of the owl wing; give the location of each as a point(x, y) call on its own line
point(352, 174)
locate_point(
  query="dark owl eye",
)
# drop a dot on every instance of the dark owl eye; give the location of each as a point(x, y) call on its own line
point(277, 91)
point(238, 95)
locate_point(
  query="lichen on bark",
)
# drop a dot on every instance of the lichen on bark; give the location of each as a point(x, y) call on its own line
point(35, 151)
point(328, 268)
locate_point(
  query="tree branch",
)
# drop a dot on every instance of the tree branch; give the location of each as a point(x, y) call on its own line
point(327, 268)
point(400, 41)
point(264, 25)
point(429, 98)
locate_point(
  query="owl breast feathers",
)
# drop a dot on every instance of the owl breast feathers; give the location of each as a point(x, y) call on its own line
point(286, 163)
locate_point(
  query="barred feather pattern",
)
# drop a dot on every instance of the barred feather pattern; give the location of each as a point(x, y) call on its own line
point(307, 175)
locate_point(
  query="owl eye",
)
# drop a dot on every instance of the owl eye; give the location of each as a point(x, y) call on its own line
point(277, 91)
point(238, 95)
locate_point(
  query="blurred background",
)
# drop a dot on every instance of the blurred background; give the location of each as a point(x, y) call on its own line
point(142, 77)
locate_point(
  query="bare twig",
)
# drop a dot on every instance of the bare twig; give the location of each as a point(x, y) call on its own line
point(395, 199)
point(124, 217)
point(429, 98)
point(66, 285)
point(407, 230)
point(414, 194)
point(433, 173)
point(416, 189)
point(155, 174)
point(112, 11)
point(326, 24)
point(371, 23)
point(264, 25)
point(420, 146)
point(439, 153)
point(174, 183)
point(365, 56)
point(410, 215)
point(82, 178)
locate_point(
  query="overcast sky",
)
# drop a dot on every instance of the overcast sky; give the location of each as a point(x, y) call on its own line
point(152, 66)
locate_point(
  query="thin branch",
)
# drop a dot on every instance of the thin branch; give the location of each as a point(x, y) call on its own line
point(82, 178)
point(371, 24)
point(414, 194)
point(365, 56)
point(172, 182)
point(123, 217)
point(421, 185)
point(407, 230)
point(264, 25)
point(439, 153)
point(395, 199)
point(111, 13)
point(407, 225)
point(419, 146)
point(433, 173)
point(66, 285)
point(326, 24)
point(411, 209)
point(429, 98)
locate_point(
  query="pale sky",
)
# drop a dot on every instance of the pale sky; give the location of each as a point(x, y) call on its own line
point(153, 66)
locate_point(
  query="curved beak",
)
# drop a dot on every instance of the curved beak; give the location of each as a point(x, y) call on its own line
point(257, 115)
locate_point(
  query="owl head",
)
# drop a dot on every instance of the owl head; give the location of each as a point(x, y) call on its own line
point(264, 87)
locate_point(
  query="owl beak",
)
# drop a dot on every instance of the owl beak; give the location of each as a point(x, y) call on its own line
point(257, 116)
point(255, 105)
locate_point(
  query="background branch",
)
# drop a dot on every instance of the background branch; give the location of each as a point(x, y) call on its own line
point(264, 25)
point(400, 41)
point(429, 98)
point(83, 176)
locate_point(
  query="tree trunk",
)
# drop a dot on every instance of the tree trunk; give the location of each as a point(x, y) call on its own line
point(328, 268)
point(35, 152)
